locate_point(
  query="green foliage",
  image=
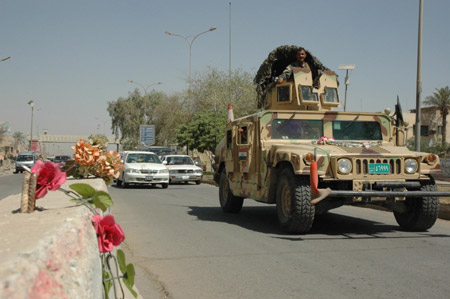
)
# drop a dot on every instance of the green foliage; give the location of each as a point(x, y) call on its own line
point(127, 271)
point(425, 146)
point(200, 133)
point(441, 100)
point(100, 199)
point(107, 282)
point(173, 114)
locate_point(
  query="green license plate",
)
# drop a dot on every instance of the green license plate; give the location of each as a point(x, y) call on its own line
point(379, 168)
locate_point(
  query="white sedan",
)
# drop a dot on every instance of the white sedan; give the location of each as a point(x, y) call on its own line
point(143, 168)
point(183, 169)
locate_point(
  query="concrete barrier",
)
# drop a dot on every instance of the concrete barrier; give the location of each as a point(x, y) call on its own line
point(52, 252)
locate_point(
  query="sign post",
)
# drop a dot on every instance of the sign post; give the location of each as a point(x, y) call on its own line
point(147, 135)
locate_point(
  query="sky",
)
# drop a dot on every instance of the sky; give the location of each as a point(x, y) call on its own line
point(73, 57)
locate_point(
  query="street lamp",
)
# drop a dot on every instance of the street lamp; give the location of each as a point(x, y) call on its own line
point(190, 42)
point(145, 87)
point(347, 80)
point(104, 126)
point(31, 103)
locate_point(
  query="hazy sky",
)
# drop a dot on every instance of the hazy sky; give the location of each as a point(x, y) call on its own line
point(72, 57)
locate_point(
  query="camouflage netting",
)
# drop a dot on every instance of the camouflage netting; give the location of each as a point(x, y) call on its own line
point(275, 64)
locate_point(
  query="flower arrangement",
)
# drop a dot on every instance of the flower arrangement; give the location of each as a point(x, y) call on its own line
point(45, 176)
point(93, 159)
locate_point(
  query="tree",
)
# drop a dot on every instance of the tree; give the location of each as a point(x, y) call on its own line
point(128, 114)
point(3, 130)
point(200, 133)
point(211, 89)
point(19, 139)
point(441, 100)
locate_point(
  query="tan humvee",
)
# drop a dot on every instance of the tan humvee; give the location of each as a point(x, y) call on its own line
point(271, 157)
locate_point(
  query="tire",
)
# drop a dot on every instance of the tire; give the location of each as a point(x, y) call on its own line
point(165, 185)
point(198, 182)
point(228, 202)
point(294, 209)
point(421, 213)
point(118, 182)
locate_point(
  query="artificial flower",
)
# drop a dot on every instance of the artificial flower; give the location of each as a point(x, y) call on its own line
point(109, 233)
point(49, 177)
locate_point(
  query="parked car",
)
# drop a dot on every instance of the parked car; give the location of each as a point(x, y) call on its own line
point(60, 160)
point(143, 168)
point(26, 159)
point(183, 169)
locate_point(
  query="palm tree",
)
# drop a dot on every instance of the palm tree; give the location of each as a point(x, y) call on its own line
point(441, 100)
point(19, 139)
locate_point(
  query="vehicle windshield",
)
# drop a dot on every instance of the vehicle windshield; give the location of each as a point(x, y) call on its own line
point(25, 158)
point(297, 129)
point(179, 161)
point(143, 158)
point(356, 130)
point(61, 158)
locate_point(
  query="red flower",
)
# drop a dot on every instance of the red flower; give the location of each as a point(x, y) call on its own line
point(109, 233)
point(49, 177)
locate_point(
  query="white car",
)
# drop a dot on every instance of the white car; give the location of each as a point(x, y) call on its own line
point(143, 168)
point(183, 169)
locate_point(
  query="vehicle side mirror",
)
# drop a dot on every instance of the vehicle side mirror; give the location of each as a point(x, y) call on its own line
point(164, 162)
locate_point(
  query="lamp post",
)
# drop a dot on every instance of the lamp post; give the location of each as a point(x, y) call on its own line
point(347, 80)
point(145, 87)
point(31, 103)
point(104, 126)
point(190, 42)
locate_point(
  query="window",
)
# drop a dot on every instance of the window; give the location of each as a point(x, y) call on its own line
point(439, 131)
point(229, 139)
point(243, 135)
point(297, 129)
point(307, 94)
point(143, 158)
point(330, 96)
point(423, 130)
point(284, 93)
point(356, 130)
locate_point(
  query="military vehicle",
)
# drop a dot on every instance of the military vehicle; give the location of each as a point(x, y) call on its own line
point(306, 158)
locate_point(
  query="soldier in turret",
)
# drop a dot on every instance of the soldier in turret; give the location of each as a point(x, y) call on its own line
point(300, 62)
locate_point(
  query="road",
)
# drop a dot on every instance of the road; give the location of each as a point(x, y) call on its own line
point(183, 246)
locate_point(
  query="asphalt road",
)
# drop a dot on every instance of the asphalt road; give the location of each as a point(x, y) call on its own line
point(183, 246)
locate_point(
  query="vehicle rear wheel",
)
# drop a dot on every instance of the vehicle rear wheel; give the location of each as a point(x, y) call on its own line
point(421, 213)
point(165, 185)
point(228, 202)
point(294, 209)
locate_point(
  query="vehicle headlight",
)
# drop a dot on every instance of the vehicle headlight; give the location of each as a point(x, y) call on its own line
point(172, 171)
point(131, 170)
point(410, 166)
point(344, 166)
point(163, 171)
point(198, 171)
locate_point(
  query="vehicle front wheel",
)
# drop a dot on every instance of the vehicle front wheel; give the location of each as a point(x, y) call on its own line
point(294, 209)
point(421, 213)
point(228, 202)
point(118, 182)
point(165, 185)
point(198, 182)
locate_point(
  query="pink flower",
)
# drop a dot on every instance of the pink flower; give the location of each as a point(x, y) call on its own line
point(109, 233)
point(49, 177)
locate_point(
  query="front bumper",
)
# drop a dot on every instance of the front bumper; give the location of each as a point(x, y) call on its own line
point(385, 190)
point(138, 178)
point(179, 177)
